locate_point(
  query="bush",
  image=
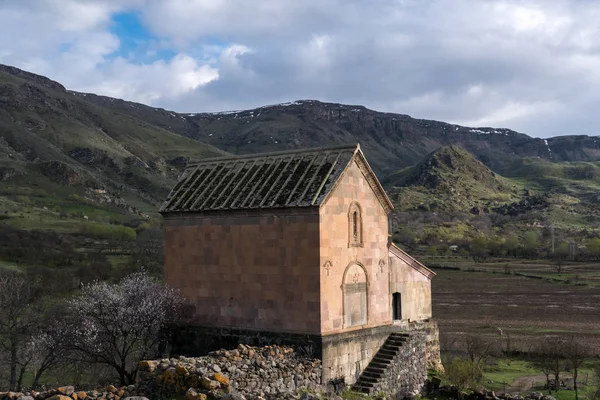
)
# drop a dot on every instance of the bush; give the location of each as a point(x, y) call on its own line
point(23, 199)
point(107, 231)
point(464, 374)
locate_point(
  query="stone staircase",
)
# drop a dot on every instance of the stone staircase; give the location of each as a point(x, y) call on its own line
point(370, 377)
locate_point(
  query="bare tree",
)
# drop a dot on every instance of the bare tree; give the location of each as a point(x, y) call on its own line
point(16, 322)
point(544, 364)
point(576, 353)
point(549, 356)
point(478, 349)
point(47, 349)
point(119, 325)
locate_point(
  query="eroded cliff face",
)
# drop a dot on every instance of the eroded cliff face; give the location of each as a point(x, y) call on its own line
point(390, 141)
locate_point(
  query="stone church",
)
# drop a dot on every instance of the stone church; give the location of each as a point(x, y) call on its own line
point(294, 247)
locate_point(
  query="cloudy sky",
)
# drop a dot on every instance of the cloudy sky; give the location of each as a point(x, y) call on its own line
point(530, 65)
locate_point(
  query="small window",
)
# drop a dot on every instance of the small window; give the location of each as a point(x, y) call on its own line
point(355, 226)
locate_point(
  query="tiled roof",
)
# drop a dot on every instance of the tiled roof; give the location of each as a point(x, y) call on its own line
point(401, 254)
point(270, 180)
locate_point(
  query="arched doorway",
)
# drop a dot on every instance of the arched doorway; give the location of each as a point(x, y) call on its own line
point(396, 306)
point(354, 288)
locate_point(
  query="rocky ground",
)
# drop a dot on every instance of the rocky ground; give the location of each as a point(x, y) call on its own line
point(245, 373)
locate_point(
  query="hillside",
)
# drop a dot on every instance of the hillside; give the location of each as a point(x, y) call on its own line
point(97, 167)
point(84, 174)
point(390, 141)
point(51, 137)
point(449, 179)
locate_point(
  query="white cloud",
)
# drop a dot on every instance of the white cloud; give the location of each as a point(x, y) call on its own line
point(149, 83)
point(531, 66)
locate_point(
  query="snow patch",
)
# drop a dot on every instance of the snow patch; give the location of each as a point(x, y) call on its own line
point(479, 131)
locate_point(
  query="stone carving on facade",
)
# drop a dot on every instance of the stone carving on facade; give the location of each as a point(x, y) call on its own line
point(328, 265)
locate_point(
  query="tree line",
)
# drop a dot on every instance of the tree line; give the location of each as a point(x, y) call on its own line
point(550, 356)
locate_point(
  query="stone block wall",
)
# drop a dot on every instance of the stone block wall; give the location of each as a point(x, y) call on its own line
point(343, 262)
point(414, 289)
point(346, 355)
point(251, 270)
point(408, 372)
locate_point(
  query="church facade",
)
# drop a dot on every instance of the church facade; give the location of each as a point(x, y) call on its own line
point(293, 247)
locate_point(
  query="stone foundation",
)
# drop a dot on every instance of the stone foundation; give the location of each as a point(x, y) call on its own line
point(344, 356)
point(269, 372)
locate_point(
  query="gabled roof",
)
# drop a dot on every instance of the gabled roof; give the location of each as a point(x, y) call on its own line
point(298, 178)
point(401, 254)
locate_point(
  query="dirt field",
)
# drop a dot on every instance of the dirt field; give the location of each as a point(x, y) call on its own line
point(515, 310)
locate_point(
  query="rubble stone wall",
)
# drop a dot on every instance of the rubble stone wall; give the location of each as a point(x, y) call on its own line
point(407, 374)
point(268, 372)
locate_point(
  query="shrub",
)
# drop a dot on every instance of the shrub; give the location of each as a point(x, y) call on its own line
point(463, 374)
point(23, 199)
point(107, 231)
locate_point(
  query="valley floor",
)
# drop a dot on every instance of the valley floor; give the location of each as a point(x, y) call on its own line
point(516, 303)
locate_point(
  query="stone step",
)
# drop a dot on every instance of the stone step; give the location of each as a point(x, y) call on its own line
point(367, 379)
point(361, 389)
point(396, 342)
point(381, 366)
point(375, 370)
point(383, 357)
point(386, 353)
point(370, 374)
point(381, 360)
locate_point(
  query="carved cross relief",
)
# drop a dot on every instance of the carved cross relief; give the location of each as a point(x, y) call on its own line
point(328, 266)
point(381, 265)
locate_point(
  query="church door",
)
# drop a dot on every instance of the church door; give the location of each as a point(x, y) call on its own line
point(355, 296)
point(396, 306)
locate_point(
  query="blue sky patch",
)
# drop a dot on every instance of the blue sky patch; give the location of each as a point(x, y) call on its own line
point(136, 41)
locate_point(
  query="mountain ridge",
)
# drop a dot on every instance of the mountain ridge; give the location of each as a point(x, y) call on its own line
point(84, 164)
point(393, 140)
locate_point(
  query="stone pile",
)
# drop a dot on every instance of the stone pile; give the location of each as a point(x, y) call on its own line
point(250, 372)
point(490, 395)
point(530, 396)
point(68, 393)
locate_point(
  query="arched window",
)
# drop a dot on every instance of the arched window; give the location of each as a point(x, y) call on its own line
point(355, 226)
point(355, 296)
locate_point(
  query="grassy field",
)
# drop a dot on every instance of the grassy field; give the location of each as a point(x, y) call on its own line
point(576, 273)
point(519, 376)
point(515, 304)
